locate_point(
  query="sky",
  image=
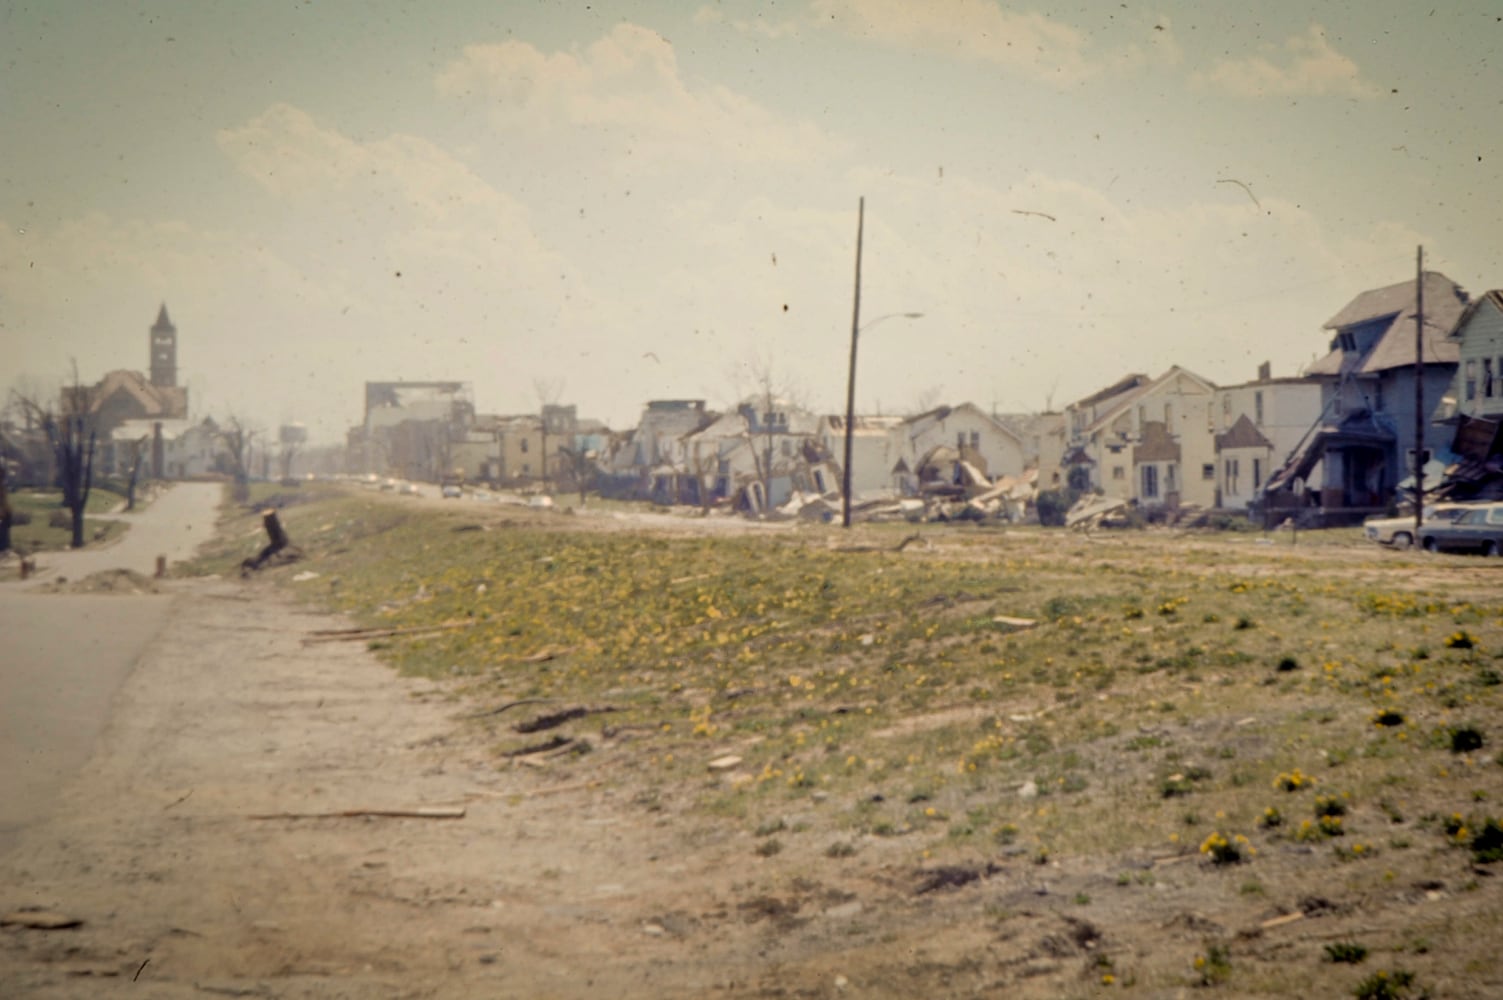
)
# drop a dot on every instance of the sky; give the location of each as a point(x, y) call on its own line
point(606, 203)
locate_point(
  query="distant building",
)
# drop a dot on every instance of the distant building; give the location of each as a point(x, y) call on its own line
point(124, 396)
point(409, 428)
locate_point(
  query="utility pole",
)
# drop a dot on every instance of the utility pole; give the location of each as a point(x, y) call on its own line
point(1419, 391)
point(850, 385)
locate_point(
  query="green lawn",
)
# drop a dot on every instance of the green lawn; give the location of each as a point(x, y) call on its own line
point(39, 505)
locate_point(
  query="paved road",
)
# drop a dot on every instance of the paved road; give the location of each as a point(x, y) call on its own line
point(174, 525)
point(63, 657)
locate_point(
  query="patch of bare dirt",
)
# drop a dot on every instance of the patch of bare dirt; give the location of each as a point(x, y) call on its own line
point(403, 858)
point(110, 581)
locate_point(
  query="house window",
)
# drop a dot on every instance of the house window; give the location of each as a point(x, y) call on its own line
point(1169, 479)
point(976, 440)
point(1118, 472)
point(524, 446)
point(1487, 378)
point(1231, 476)
point(1471, 379)
point(1208, 471)
point(1257, 473)
point(1150, 482)
point(1168, 415)
point(1257, 400)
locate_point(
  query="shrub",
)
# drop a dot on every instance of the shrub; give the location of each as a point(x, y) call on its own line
point(1053, 505)
point(1214, 966)
point(1222, 851)
point(1460, 639)
point(1465, 739)
point(1349, 952)
point(1383, 985)
point(1292, 781)
point(1487, 845)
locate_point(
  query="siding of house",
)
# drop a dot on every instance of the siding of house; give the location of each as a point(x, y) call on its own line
point(966, 425)
point(1481, 336)
point(1282, 411)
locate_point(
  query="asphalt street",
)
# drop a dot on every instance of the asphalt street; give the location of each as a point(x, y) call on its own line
point(63, 657)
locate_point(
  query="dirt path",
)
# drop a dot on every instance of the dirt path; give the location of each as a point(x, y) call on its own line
point(558, 881)
point(571, 878)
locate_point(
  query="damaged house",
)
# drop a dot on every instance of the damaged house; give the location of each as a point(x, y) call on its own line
point(950, 448)
point(1146, 441)
point(1351, 460)
point(762, 456)
point(649, 464)
point(1474, 404)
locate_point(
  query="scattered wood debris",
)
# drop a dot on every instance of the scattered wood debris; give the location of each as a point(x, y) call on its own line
point(556, 719)
point(507, 707)
point(356, 634)
point(953, 876)
point(40, 920)
point(418, 812)
point(554, 744)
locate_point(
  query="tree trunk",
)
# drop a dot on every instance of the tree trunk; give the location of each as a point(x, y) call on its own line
point(6, 516)
point(277, 543)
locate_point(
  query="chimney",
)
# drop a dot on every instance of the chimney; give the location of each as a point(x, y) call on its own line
point(1265, 371)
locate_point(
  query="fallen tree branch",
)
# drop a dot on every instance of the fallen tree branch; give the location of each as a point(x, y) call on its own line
point(556, 719)
point(907, 541)
point(346, 635)
point(509, 705)
point(556, 743)
point(420, 812)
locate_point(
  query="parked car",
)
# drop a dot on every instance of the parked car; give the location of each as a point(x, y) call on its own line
point(1398, 532)
point(451, 491)
point(1478, 529)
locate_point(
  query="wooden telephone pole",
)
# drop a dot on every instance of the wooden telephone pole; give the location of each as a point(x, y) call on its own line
point(1419, 391)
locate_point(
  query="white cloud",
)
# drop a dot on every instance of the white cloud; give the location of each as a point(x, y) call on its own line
point(759, 25)
point(1305, 65)
point(626, 84)
point(1028, 43)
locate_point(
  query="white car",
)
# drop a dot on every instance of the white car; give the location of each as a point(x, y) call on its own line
point(1398, 532)
point(451, 492)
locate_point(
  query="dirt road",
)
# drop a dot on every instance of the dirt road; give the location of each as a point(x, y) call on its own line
point(556, 881)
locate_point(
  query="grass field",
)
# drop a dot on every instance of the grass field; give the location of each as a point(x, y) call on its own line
point(1262, 728)
point(38, 535)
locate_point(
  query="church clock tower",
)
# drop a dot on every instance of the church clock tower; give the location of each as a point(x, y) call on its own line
point(163, 351)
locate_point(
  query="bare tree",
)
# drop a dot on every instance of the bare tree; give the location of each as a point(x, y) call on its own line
point(286, 454)
point(236, 438)
point(548, 393)
point(927, 399)
point(73, 438)
point(137, 451)
point(766, 407)
point(7, 514)
point(579, 466)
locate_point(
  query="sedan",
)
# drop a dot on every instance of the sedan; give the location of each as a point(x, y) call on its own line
point(1478, 530)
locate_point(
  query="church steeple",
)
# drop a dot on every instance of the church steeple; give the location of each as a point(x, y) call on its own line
point(163, 350)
